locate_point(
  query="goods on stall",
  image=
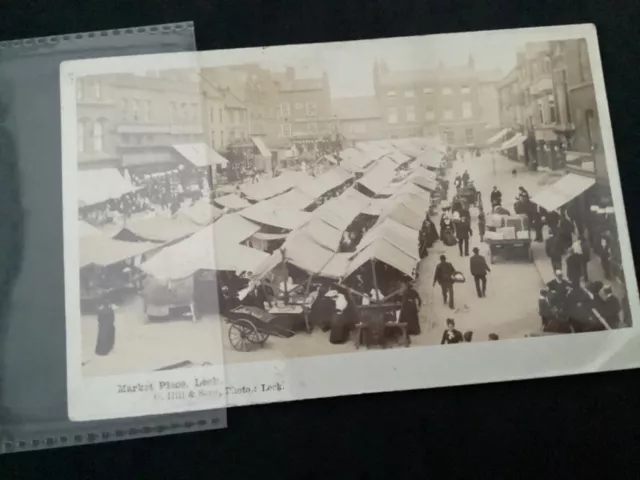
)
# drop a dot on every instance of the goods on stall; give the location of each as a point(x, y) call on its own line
point(523, 235)
point(495, 220)
point(508, 233)
point(491, 235)
point(519, 222)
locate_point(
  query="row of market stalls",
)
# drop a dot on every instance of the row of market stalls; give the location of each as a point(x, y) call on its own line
point(290, 220)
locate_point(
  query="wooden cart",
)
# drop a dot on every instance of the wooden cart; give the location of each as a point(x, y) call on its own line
point(251, 327)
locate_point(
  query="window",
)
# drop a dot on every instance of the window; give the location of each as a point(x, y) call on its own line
point(174, 111)
point(311, 109)
point(411, 113)
point(98, 135)
point(447, 91)
point(184, 111)
point(135, 110)
point(547, 65)
point(299, 106)
point(583, 62)
point(392, 115)
point(97, 90)
point(79, 90)
point(448, 136)
point(285, 110)
point(285, 129)
point(541, 112)
point(212, 114)
point(147, 110)
point(469, 136)
point(467, 110)
point(552, 109)
point(82, 133)
point(391, 93)
point(409, 93)
point(427, 90)
point(429, 115)
point(465, 90)
point(448, 114)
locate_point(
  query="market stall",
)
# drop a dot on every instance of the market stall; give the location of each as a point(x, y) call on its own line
point(508, 236)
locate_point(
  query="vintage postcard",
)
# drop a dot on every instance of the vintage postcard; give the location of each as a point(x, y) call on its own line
point(371, 203)
point(136, 184)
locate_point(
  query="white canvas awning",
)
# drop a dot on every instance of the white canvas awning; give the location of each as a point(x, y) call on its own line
point(353, 160)
point(406, 211)
point(161, 229)
point(498, 136)
point(318, 186)
point(294, 198)
point(563, 191)
point(379, 176)
point(103, 251)
point(303, 252)
point(208, 249)
point(430, 158)
point(100, 185)
point(398, 157)
point(201, 213)
point(262, 148)
point(274, 186)
point(200, 154)
point(286, 217)
point(424, 178)
point(383, 251)
point(337, 266)
point(341, 211)
point(403, 237)
point(233, 228)
point(323, 234)
point(232, 202)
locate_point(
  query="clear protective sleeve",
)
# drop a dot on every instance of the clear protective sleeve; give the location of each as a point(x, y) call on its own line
point(34, 409)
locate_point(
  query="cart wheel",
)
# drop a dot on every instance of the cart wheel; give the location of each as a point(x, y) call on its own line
point(257, 337)
point(239, 333)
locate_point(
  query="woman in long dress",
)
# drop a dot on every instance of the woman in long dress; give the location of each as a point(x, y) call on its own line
point(106, 329)
point(411, 303)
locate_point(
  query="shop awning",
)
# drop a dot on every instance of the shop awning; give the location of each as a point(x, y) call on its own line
point(429, 158)
point(398, 157)
point(406, 211)
point(275, 215)
point(103, 251)
point(353, 160)
point(262, 148)
point(563, 191)
point(379, 176)
point(498, 136)
point(100, 185)
point(232, 202)
point(516, 140)
point(200, 154)
point(424, 178)
point(269, 236)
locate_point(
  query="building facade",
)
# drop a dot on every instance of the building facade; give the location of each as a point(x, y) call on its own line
point(304, 110)
point(459, 104)
point(129, 121)
point(358, 118)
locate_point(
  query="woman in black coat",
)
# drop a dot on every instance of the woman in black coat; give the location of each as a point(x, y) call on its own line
point(106, 329)
point(411, 303)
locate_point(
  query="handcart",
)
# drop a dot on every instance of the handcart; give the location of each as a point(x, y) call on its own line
point(470, 195)
point(518, 244)
point(251, 327)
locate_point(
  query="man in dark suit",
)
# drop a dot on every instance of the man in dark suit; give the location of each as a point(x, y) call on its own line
point(451, 335)
point(575, 268)
point(463, 232)
point(444, 276)
point(479, 270)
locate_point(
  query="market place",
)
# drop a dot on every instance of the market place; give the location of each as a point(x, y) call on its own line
point(392, 243)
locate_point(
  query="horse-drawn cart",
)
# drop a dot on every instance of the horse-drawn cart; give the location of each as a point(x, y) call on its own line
point(251, 327)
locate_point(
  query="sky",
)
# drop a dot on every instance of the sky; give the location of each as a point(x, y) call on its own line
point(349, 65)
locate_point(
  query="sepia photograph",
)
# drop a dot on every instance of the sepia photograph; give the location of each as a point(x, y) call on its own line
point(361, 199)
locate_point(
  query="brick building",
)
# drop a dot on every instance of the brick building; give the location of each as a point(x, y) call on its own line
point(130, 121)
point(460, 104)
point(358, 118)
point(304, 110)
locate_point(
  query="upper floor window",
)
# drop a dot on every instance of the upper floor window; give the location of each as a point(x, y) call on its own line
point(467, 110)
point(97, 90)
point(392, 115)
point(427, 90)
point(311, 109)
point(285, 129)
point(409, 93)
point(447, 91)
point(391, 93)
point(448, 114)
point(98, 135)
point(466, 90)
point(411, 113)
